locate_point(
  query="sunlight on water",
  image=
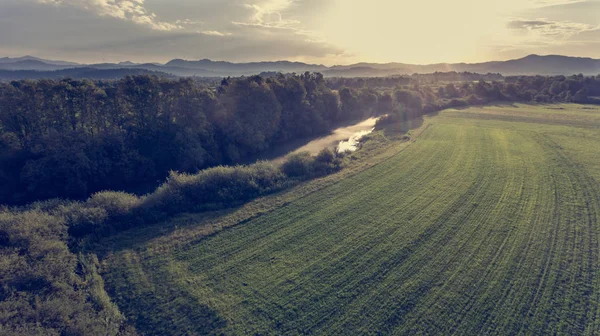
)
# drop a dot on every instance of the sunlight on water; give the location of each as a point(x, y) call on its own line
point(352, 144)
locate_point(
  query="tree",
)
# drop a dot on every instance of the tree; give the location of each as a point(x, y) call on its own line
point(581, 97)
point(451, 91)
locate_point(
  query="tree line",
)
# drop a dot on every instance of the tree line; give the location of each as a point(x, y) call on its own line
point(395, 81)
point(71, 138)
point(421, 96)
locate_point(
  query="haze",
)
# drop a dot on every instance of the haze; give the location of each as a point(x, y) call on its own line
point(317, 31)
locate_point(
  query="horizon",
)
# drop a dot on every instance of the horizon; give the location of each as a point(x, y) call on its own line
point(327, 32)
point(284, 60)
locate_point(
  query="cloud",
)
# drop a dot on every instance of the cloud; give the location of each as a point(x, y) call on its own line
point(268, 18)
point(268, 14)
point(128, 10)
point(572, 11)
point(525, 24)
point(196, 45)
point(553, 27)
point(549, 3)
point(214, 33)
point(188, 22)
point(96, 31)
point(543, 29)
point(566, 28)
point(267, 26)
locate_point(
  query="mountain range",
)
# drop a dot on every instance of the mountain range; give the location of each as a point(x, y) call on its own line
point(33, 67)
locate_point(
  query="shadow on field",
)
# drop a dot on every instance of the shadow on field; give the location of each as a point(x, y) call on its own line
point(499, 104)
point(399, 129)
point(147, 309)
point(138, 238)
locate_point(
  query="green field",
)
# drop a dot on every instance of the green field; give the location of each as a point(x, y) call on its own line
point(486, 224)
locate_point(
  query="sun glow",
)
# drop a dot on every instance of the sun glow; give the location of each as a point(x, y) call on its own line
point(427, 31)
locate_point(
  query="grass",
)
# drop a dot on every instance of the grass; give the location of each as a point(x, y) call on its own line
point(486, 224)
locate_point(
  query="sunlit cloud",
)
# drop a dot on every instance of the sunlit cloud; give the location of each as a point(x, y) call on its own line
point(268, 14)
point(527, 24)
point(189, 22)
point(214, 33)
point(128, 10)
point(550, 31)
point(545, 3)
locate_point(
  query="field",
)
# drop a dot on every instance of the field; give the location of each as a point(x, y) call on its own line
point(486, 224)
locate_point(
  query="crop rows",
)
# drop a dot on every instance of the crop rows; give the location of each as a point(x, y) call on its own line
point(482, 226)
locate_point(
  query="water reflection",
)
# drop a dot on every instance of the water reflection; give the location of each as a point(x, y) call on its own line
point(351, 144)
point(314, 146)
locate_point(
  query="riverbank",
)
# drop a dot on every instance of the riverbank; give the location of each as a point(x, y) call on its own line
point(314, 146)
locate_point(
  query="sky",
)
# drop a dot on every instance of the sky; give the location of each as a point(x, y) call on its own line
point(315, 31)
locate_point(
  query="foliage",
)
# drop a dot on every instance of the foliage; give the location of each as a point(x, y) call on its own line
point(73, 138)
point(219, 186)
point(486, 224)
point(105, 213)
point(78, 139)
point(46, 289)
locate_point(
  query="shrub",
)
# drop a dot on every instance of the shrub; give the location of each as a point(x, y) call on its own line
point(116, 204)
point(326, 162)
point(474, 100)
point(49, 206)
point(458, 103)
point(53, 291)
point(410, 99)
point(298, 165)
point(214, 187)
point(83, 220)
point(542, 98)
point(326, 155)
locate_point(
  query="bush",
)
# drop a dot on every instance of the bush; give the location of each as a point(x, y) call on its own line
point(48, 206)
point(116, 204)
point(53, 291)
point(298, 165)
point(410, 99)
point(389, 119)
point(210, 189)
point(83, 220)
point(542, 98)
point(474, 100)
point(326, 162)
point(458, 103)
point(214, 187)
point(326, 155)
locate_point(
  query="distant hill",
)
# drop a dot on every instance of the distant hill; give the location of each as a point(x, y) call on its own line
point(78, 73)
point(365, 71)
point(530, 65)
point(4, 60)
point(548, 65)
point(245, 68)
point(30, 65)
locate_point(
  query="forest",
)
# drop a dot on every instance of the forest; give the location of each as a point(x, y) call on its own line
point(71, 138)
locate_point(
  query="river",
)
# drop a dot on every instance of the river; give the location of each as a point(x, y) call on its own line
point(345, 137)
